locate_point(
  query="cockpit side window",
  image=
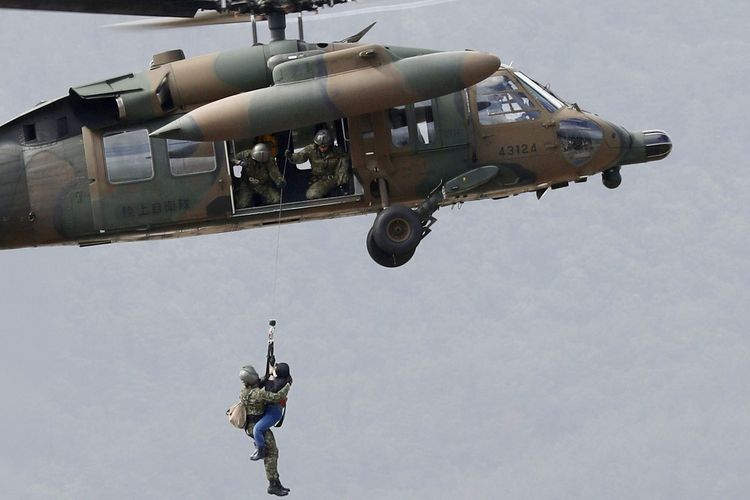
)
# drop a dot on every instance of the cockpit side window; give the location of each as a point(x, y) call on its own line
point(425, 122)
point(399, 126)
point(499, 100)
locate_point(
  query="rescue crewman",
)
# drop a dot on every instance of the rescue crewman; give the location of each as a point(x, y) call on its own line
point(260, 175)
point(330, 167)
point(255, 398)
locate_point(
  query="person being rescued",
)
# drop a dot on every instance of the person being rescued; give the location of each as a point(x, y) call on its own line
point(255, 397)
point(277, 380)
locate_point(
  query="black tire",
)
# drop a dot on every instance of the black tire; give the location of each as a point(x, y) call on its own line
point(612, 178)
point(397, 230)
point(383, 258)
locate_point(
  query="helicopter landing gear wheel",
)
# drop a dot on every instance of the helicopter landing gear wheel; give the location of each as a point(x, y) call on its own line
point(397, 230)
point(612, 178)
point(384, 258)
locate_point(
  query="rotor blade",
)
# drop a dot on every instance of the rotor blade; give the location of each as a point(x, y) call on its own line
point(375, 10)
point(202, 18)
point(171, 8)
point(210, 17)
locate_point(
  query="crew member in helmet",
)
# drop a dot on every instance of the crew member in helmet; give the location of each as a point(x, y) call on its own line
point(255, 398)
point(260, 176)
point(330, 167)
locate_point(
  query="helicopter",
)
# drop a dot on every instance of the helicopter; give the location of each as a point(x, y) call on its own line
point(154, 154)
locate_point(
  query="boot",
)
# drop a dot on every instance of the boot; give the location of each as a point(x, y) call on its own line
point(275, 488)
point(259, 454)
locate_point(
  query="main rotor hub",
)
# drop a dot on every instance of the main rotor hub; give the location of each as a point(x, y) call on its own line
point(265, 8)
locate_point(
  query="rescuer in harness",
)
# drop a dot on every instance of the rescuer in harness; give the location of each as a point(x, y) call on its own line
point(263, 400)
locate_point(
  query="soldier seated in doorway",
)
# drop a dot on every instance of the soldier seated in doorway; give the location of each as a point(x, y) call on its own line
point(260, 177)
point(330, 166)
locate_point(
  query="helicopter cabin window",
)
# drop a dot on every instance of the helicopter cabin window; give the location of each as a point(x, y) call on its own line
point(399, 126)
point(425, 122)
point(128, 157)
point(190, 157)
point(499, 100)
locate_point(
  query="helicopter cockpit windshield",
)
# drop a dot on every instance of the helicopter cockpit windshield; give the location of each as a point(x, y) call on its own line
point(544, 97)
point(500, 100)
point(504, 99)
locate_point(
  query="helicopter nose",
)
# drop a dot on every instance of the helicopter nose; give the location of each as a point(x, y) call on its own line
point(646, 146)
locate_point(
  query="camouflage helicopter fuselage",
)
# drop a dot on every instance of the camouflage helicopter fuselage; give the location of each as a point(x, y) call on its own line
point(149, 155)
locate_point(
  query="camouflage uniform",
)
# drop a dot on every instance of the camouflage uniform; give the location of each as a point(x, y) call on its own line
point(258, 178)
point(329, 170)
point(255, 399)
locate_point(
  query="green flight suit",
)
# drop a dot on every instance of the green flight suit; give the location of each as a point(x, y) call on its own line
point(255, 399)
point(329, 170)
point(263, 179)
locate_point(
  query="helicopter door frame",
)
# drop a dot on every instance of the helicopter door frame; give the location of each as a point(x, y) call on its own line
point(294, 175)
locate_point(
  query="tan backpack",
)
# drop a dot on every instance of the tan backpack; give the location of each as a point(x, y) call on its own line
point(237, 415)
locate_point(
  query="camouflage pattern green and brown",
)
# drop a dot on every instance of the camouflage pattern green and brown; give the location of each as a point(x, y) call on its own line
point(258, 178)
point(151, 154)
point(255, 400)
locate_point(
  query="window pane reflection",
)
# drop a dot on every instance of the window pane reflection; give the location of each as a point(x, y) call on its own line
point(425, 122)
point(189, 157)
point(500, 101)
point(399, 126)
point(128, 156)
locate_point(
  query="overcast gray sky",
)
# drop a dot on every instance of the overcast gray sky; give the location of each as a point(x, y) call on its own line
point(590, 345)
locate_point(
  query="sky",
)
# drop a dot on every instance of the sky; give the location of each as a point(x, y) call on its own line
point(589, 345)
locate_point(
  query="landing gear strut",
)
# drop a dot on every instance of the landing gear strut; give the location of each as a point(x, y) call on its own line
point(397, 229)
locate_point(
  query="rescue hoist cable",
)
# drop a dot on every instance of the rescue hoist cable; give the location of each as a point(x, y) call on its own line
point(271, 362)
point(270, 357)
point(278, 229)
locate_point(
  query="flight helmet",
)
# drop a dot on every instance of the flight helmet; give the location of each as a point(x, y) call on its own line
point(323, 138)
point(260, 153)
point(249, 376)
